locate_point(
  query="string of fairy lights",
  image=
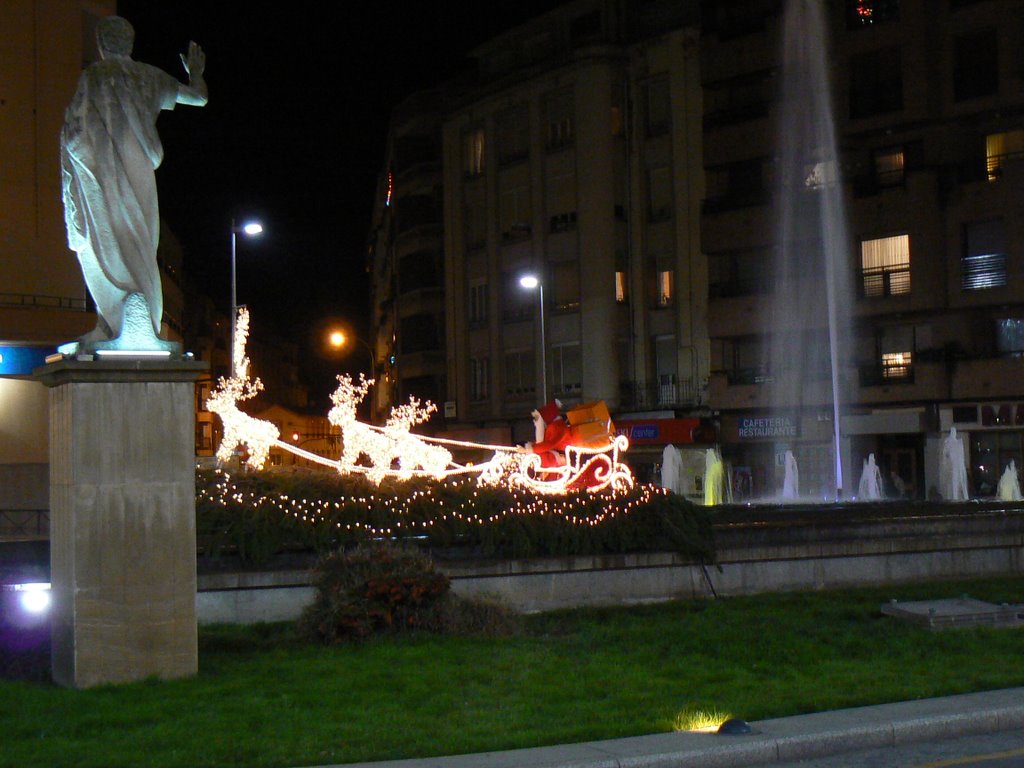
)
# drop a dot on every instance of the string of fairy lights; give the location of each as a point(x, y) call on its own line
point(404, 513)
point(394, 451)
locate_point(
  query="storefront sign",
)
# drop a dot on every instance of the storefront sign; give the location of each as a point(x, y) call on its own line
point(768, 427)
point(19, 361)
point(658, 431)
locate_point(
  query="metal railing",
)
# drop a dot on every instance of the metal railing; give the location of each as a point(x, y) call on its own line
point(876, 375)
point(678, 394)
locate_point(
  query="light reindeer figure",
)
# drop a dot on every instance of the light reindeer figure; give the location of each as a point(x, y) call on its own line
point(359, 439)
point(240, 428)
point(412, 452)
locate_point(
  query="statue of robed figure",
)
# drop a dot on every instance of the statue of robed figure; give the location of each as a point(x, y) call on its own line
point(109, 152)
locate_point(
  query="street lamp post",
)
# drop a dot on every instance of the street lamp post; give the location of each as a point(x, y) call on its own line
point(251, 229)
point(530, 282)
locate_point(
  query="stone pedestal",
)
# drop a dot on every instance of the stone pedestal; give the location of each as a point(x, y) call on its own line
point(122, 519)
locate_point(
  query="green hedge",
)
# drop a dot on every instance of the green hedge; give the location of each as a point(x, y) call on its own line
point(259, 514)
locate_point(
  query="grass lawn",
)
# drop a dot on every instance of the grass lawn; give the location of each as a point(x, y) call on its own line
point(263, 698)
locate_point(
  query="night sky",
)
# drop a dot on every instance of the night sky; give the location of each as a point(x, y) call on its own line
point(294, 134)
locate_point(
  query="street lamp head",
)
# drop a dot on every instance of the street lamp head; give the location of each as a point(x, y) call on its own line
point(337, 339)
point(529, 281)
point(252, 228)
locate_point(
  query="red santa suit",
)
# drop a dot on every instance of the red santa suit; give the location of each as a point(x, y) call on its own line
point(552, 442)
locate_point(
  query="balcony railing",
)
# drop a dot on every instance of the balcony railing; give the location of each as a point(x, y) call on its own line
point(635, 394)
point(748, 376)
point(885, 281)
point(878, 375)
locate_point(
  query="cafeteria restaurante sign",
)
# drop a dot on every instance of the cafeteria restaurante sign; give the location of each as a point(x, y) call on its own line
point(768, 426)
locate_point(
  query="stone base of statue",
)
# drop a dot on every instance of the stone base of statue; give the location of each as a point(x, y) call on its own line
point(122, 517)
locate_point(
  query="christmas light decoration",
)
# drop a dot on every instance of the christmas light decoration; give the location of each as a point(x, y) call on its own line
point(241, 428)
point(393, 450)
point(398, 514)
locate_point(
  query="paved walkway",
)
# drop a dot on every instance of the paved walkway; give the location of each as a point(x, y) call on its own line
point(781, 740)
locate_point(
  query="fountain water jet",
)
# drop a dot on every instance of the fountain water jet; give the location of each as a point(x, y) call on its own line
point(870, 488)
point(808, 335)
point(791, 480)
point(1009, 484)
point(716, 490)
point(672, 469)
point(953, 469)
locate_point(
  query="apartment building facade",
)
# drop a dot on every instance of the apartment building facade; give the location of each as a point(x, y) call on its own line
point(574, 157)
point(929, 108)
point(406, 262)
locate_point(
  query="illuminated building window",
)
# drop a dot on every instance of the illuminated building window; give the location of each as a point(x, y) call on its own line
point(983, 264)
point(865, 13)
point(474, 150)
point(620, 287)
point(1000, 147)
point(896, 351)
point(885, 266)
point(390, 189)
point(896, 365)
point(665, 287)
point(889, 166)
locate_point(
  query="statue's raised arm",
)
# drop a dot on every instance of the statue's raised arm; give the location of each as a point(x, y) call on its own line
point(193, 94)
point(109, 152)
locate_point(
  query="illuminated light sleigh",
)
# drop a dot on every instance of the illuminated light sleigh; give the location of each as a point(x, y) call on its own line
point(591, 462)
point(393, 451)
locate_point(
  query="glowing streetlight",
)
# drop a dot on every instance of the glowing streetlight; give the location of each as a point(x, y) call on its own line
point(531, 281)
point(250, 229)
point(338, 340)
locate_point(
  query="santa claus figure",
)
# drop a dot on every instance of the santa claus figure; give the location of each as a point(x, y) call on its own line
point(552, 435)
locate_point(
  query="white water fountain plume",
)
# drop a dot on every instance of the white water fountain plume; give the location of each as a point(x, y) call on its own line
point(810, 328)
point(870, 487)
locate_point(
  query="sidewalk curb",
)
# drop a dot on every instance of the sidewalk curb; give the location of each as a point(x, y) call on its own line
point(779, 740)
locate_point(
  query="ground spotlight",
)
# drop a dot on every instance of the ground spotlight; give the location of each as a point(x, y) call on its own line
point(735, 727)
point(34, 598)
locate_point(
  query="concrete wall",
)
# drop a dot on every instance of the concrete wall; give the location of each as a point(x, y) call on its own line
point(809, 556)
point(24, 445)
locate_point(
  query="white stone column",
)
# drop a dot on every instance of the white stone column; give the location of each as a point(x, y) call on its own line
point(122, 519)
